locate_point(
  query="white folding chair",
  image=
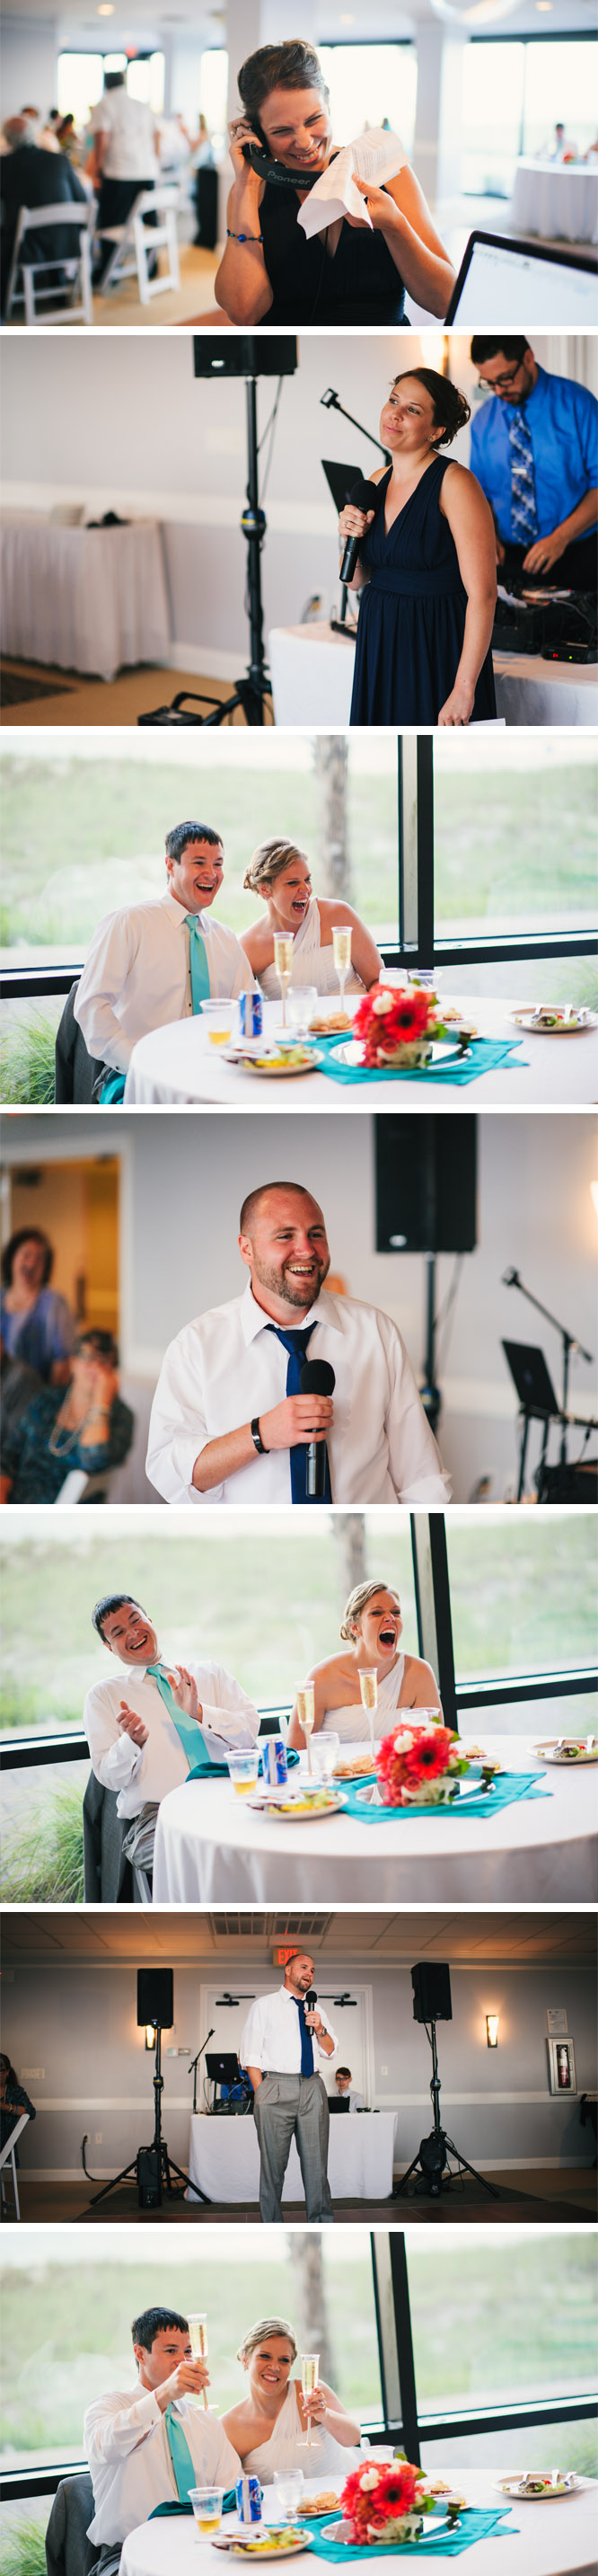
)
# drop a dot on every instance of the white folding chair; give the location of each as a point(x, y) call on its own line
point(136, 242)
point(7, 2157)
point(76, 270)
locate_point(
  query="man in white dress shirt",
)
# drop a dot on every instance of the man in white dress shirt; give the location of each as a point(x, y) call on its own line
point(345, 2086)
point(124, 155)
point(227, 1424)
point(154, 962)
point(146, 2450)
point(289, 2098)
point(157, 1721)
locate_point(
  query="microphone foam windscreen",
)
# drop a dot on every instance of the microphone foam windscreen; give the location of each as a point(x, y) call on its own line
point(310, 1998)
point(363, 495)
point(317, 1378)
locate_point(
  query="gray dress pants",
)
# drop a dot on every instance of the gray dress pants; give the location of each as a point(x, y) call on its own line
point(285, 2106)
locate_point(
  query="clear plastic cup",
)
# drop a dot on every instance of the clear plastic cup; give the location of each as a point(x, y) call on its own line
point(219, 1020)
point(207, 2509)
point(289, 2484)
point(325, 1751)
point(301, 1004)
point(243, 1771)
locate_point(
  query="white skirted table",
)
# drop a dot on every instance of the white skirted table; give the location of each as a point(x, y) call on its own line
point(557, 200)
point(562, 2543)
point(224, 2157)
point(312, 680)
point(178, 1065)
point(212, 1848)
point(84, 599)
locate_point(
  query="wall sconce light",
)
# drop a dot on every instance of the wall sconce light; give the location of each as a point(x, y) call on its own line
point(492, 2021)
point(150, 2034)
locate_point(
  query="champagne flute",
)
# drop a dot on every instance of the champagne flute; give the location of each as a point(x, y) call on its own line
point(198, 2338)
point(341, 949)
point(306, 1713)
point(310, 2373)
point(368, 1684)
point(283, 960)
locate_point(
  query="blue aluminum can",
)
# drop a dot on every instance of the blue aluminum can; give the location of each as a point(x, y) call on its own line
point(276, 1769)
point(251, 1016)
point(249, 2495)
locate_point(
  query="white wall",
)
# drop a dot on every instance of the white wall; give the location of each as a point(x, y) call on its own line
point(120, 422)
point(184, 1179)
point(29, 59)
point(79, 2022)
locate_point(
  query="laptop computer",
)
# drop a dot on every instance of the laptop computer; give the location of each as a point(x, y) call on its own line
point(532, 1381)
point(523, 285)
point(339, 2102)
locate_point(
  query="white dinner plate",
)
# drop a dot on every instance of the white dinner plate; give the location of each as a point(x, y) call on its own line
point(550, 1752)
point(550, 2495)
point(300, 1811)
point(572, 1028)
point(267, 2548)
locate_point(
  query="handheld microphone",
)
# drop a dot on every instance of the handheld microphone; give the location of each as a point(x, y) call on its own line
point(363, 497)
point(310, 1999)
point(317, 1378)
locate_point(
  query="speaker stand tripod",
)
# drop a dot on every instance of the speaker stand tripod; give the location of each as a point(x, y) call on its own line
point(431, 2160)
point(164, 2165)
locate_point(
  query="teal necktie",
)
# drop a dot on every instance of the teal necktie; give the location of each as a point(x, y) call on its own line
point(180, 2454)
point(198, 963)
point(187, 1728)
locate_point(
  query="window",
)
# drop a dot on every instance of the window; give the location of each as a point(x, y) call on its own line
point(371, 84)
point(213, 90)
point(506, 2322)
point(145, 81)
point(498, 863)
point(522, 1598)
point(512, 94)
point(80, 84)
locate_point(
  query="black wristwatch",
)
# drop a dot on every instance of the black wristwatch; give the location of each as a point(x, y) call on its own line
point(258, 1443)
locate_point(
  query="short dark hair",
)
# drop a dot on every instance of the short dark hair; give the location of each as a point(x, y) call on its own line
point(251, 1203)
point(114, 80)
point(112, 1601)
point(25, 1234)
point(5, 2065)
point(103, 1344)
point(451, 411)
point(483, 348)
point(344, 2070)
point(294, 65)
point(182, 833)
point(152, 2322)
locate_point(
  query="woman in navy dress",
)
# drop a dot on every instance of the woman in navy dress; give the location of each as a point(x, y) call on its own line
point(426, 570)
point(353, 272)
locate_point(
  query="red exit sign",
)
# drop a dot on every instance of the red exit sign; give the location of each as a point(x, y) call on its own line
point(281, 1957)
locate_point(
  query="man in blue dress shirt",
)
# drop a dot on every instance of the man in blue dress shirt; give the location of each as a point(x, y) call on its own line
point(534, 449)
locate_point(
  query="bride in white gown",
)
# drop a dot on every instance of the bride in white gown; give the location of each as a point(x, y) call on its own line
point(371, 1629)
point(280, 873)
point(266, 2429)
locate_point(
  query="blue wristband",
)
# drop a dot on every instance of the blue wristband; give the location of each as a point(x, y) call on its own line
point(243, 237)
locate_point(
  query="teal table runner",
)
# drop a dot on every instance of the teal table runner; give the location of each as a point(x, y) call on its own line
point(511, 1786)
point(484, 1055)
point(474, 2525)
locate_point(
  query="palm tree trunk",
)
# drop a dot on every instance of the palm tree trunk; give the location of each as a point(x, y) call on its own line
point(331, 763)
point(311, 2303)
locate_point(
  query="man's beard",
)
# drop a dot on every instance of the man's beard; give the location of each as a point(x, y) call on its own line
point(297, 1292)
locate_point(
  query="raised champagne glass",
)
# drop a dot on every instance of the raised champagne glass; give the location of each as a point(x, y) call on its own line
point(310, 2373)
point(198, 2338)
point(306, 1713)
point(283, 960)
point(368, 1684)
point(341, 949)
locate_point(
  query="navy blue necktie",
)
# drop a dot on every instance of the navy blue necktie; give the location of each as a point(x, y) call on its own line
point(307, 2051)
point(296, 1345)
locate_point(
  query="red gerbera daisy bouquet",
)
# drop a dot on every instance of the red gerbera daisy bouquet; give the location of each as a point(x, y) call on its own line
point(397, 1028)
point(420, 1767)
point(385, 2505)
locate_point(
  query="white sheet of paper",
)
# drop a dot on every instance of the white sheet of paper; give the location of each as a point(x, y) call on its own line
point(376, 156)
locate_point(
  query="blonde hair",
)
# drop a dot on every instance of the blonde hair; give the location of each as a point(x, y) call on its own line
point(265, 2327)
point(358, 1601)
point(269, 862)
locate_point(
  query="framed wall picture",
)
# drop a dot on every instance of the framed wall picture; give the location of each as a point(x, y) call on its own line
point(556, 2021)
point(561, 2066)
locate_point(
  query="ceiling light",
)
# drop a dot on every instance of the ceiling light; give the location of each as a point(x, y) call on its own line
point(492, 2021)
point(106, 9)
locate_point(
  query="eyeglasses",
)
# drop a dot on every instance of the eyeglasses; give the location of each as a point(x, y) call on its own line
point(497, 384)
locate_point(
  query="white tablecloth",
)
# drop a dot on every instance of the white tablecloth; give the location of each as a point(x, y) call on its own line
point(212, 1849)
point(312, 680)
point(86, 599)
point(555, 201)
point(550, 2544)
point(178, 1064)
point(224, 2158)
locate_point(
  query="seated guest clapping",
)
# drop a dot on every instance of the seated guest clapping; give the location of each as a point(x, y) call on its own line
point(280, 873)
point(229, 1422)
point(157, 1720)
point(150, 2448)
point(268, 2427)
point(84, 1427)
point(157, 961)
point(371, 1629)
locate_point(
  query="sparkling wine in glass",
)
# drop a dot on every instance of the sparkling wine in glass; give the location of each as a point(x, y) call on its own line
point(307, 1717)
point(341, 949)
point(310, 2373)
point(368, 1684)
point(283, 960)
point(198, 2338)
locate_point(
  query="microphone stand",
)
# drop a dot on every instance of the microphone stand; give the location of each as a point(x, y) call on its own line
point(194, 2187)
point(569, 1342)
point(331, 402)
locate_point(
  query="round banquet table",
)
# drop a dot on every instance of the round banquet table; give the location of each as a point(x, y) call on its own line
point(85, 599)
point(312, 679)
point(224, 2158)
point(212, 1848)
point(556, 199)
point(556, 2544)
point(178, 1064)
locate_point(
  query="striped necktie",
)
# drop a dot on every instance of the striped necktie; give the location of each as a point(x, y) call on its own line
point(295, 1343)
point(198, 964)
point(524, 515)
